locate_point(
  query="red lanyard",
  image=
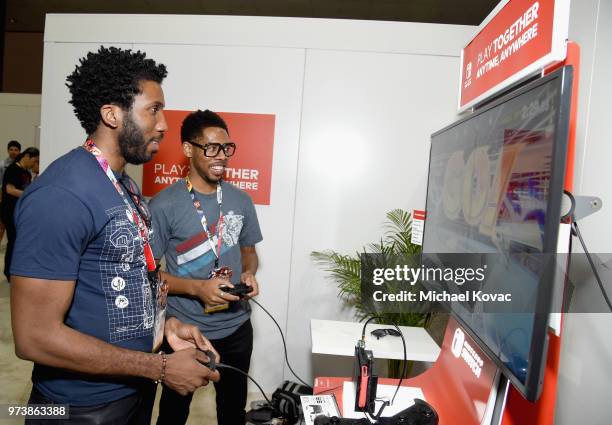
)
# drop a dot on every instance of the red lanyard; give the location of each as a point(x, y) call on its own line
point(198, 206)
point(140, 224)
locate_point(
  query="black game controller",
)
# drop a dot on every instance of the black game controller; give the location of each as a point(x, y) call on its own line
point(240, 290)
point(324, 420)
point(379, 333)
point(211, 363)
point(420, 413)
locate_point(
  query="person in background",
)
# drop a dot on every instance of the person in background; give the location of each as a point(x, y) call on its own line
point(207, 230)
point(15, 180)
point(87, 304)
point(13, 149)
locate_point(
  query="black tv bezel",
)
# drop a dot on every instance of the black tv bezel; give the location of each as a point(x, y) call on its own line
point(532, 387)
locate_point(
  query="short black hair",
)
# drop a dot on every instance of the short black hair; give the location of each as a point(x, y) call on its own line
point(13, 144)
point(195, 123)
point(109, 76)
point(31, 152)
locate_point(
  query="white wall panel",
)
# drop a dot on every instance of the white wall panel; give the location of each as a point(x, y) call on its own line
point(583, 30)
point(364, 150)
point(341, 34)
point(19, 120)
point(585, 373)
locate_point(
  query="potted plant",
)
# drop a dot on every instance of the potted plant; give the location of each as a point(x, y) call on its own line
point(345, 271)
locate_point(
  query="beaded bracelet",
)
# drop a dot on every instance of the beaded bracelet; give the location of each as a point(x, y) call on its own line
point(162, 375)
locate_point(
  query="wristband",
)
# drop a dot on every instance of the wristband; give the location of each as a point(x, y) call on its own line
point(162, 373)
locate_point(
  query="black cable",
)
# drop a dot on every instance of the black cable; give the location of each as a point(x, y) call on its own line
point(399, 384)
point(568, 292)
point(570, 213)
point(284, 344)
point(364, 327)
point(603, 290)
point(226, 366)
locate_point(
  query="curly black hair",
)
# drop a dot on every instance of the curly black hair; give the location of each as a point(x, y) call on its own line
point(109, 76)
point(197, 121)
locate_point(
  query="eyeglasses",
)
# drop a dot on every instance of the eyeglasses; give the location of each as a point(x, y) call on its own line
point(212, 149)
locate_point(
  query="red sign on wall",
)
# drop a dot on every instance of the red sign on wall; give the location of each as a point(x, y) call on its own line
point(418, 225)
point(249, 169)
point(518, 39)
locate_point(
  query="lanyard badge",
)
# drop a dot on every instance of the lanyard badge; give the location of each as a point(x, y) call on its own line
point(158, 286)
point(218, 271)
point(160, 289)
point(141, 225)
point(216, 250)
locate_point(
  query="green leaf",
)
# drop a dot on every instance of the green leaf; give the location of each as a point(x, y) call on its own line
point(345, 270)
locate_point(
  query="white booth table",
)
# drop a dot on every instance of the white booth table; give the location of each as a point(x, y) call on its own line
point(339, 338)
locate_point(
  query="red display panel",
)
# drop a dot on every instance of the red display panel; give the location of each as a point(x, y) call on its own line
point(521, 38)
point(250, 169)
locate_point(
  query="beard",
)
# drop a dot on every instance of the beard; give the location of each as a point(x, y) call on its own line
point(132, 143)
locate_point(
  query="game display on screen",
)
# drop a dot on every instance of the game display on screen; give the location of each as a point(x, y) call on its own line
point(494, 187)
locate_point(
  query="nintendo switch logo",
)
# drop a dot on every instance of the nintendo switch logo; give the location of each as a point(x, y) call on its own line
point(467, 81)
point(457, 345)
point(461, 348)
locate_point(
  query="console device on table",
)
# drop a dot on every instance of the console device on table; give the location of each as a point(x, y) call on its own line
point(420, 413)
point(365, 380)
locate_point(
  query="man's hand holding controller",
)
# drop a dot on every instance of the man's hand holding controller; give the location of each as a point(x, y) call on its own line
point(210, 293)
point(249, 280)
point(184, 370)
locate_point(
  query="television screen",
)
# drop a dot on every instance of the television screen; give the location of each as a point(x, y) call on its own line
point(494, 189)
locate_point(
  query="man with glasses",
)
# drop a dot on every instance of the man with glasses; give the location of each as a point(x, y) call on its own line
point(207, 230)
point(87, 305)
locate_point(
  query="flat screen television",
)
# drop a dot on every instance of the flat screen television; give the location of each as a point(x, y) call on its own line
point(495, 186)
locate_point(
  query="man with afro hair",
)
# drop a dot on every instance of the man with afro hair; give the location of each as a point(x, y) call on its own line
point(87, 305)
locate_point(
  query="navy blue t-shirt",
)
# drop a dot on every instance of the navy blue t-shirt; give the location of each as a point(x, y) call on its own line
point(72, 224)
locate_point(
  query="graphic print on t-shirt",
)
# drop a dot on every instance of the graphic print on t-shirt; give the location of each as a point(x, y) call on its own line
point(195, 253)
point(129, 300)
